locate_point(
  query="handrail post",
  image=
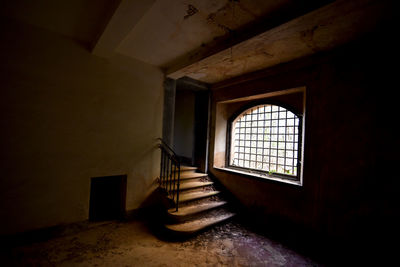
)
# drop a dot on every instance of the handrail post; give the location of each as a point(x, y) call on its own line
point(164, 169)
point(161, 166)
point(178, 184)
point(170, 174)
point(173, 188)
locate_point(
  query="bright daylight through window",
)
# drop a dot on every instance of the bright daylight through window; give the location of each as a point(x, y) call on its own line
point(265, 138)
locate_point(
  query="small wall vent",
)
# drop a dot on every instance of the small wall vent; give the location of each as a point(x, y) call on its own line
point(107, 198)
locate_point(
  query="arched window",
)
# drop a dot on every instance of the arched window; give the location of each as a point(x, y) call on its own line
point(266, 138)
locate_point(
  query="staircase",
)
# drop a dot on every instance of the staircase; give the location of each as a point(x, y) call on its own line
point(200, 204)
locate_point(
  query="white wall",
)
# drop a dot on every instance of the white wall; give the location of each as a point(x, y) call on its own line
point(67, 116)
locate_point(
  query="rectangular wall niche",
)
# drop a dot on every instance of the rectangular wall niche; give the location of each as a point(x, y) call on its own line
point(107, 198)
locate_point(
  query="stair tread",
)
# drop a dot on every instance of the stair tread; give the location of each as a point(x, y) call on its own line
point(193, 175)
point(188, 168)
point(199, 224)
point(189, 185)
point(193, 209)
point(196, 195)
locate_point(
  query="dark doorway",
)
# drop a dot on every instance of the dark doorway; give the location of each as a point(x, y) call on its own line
point(201, 130)
point(191, 121)
point(107, 198)
point(184, 136)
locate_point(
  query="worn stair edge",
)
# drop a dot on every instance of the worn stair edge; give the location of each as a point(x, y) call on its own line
point(185, 176)
point(199, 224)
point(193, 185)
point(184, 197)
point(188, 168)
point(194, 209)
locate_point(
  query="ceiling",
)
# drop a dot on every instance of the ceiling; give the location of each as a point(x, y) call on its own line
point(206, 40)
point(82, 20)
point(172, 28)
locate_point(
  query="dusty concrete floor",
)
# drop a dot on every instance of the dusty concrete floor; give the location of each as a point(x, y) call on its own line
point(132, 243)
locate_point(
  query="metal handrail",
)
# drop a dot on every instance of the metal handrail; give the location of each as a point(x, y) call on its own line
point(170, 168)
point(163, 143)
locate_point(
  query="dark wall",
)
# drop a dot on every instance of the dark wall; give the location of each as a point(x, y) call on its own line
point(184, 124)
point(349, 158)
point(66, 116)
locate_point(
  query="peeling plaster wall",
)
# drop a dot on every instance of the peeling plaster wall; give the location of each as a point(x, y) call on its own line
point(67, 116)
point(181, 27)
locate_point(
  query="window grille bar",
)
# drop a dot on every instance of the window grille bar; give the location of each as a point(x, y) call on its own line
point(277, 144)
point(269, 137)
point(264, 138)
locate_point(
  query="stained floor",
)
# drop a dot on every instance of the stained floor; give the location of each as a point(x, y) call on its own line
point(133, 243)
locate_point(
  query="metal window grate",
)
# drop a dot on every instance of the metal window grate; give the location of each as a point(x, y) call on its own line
point(266, 138)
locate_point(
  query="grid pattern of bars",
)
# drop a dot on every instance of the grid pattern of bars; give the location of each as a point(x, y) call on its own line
point(266, 138)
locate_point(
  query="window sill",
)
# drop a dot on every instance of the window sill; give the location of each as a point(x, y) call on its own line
point(259, 176)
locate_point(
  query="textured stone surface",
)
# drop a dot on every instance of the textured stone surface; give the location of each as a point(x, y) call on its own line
point(191, 185)
point(209, 219)
point(321, 30)
point(196, 195)
point(195, 208)
point(133, 244)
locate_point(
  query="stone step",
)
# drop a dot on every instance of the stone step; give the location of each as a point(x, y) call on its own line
point(192, 175)
point(184, 197)
point(191, 185)
point(190, 210)
point(200, 201)
point(196, 225)
point(188, 168)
